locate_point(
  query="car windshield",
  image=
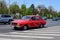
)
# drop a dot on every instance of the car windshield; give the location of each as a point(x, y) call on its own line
point(25, 17)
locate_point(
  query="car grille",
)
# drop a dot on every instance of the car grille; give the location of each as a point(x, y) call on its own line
point(14, 23)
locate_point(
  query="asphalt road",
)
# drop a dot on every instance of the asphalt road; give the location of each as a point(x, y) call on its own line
point(51, 32)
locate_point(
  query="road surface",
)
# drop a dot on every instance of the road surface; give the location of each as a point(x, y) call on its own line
point(50, 32)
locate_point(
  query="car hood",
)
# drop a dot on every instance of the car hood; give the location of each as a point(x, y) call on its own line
point(19, 21)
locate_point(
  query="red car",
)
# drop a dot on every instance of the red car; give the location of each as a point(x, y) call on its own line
point(27, 22)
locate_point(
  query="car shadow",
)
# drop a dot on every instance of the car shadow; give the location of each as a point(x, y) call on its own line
point(30, 29)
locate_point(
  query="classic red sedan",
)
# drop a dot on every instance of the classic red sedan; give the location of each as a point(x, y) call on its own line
point(29, 21)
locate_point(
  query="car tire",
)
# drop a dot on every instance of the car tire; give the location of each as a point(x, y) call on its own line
point(15, 28)
point(5, 23)
point(41, 26)
point(25, 27)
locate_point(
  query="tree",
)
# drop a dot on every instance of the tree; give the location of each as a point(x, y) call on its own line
point(58, 14)
point(35, 11)
point(23, 9)
point(14, 8)
point(50, 9)
point(32, 8)
point(42, 10)
point(55, 14)
point(45, 12)
point(28, 11)
point(3, 8)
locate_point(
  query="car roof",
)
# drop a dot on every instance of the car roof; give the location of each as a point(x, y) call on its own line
point(31, 15)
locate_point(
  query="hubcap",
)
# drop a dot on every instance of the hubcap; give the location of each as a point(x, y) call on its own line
point(41, 26)
point(25, 27)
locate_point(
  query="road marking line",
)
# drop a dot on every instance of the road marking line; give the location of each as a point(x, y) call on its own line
point(39, 32)
point(26, 36)
point(34, 34)
point(9, 39)
point(49, 32)
point(5, 39)
point(25, 31)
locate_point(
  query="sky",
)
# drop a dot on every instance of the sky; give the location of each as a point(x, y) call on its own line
point(46, 3)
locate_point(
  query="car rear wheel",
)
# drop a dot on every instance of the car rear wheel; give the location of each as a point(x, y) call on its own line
point(41, 26)
point(25, 27)
point(5, 23)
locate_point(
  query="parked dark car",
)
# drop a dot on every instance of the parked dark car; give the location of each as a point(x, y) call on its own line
point(5, 18)
point(56, 19)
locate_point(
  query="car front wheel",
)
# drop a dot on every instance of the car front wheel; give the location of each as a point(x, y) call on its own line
point(15, 28)
point(25, 27)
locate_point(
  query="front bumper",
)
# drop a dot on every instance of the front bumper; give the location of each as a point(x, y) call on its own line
point(15, 26)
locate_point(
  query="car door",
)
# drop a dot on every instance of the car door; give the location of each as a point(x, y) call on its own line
point(33, 22)
point(38, 21)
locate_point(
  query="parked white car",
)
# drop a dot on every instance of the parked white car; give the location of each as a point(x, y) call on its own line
point(5, 18)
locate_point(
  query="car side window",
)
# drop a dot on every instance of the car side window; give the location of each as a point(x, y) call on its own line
point(5, 16)
point(37, 18)
point(33, 18)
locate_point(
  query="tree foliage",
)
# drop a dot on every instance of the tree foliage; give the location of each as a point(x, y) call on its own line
point(14, 8)
point(3, 8)
point(23, 9)
point(32, 10)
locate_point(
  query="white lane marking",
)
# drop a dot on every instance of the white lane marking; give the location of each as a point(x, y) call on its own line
point(40, 32)
point(49, 32)
point(25, 31)
point(34, 34)
point(37, 31)
point(8, 39)
point(26, 36)
point(5, 39)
